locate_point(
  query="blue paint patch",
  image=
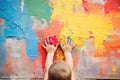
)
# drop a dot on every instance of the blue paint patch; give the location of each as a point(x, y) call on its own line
point(95, 69)
point(69, 39)
point(31, 44)
point(7, 10)
point(13, 26)
point(30, 36)
point(18, 25)
point(13, 30)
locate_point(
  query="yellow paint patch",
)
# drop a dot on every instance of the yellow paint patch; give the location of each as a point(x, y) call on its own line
point(78, 25)
point(114, 69)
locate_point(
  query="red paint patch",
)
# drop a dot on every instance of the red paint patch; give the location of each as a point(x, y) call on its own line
point(111, 5)
point(43, 53)
point(85, 6)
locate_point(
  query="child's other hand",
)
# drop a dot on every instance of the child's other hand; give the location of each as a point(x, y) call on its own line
point(67, 47)
point(49, 47)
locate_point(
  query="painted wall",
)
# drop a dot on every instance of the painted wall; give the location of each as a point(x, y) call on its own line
point(92, 25)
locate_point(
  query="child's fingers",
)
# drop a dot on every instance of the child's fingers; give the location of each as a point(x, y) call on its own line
point(73, 46)
point(47, 40)
point(68, 42)
point(44, 46)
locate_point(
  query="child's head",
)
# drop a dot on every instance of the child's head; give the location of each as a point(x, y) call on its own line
point(59, 71)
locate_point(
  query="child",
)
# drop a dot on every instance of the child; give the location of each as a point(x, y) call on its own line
point(60, 70)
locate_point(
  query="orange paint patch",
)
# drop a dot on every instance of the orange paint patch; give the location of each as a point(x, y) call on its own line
point(96, 9)
point(8, 67)
point(54, 28)
point(109, 46)
point(116, 22)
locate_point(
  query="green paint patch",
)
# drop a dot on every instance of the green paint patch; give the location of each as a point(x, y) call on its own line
point(39, 8)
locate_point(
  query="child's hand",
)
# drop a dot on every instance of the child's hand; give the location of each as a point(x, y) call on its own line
point(67, 47)
point(49, 47)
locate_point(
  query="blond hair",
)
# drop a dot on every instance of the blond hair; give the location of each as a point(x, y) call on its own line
point(59, 71)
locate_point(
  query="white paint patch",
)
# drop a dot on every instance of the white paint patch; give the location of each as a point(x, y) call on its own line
point(13, 47)
point(22, 5)
point(116, 32)
point(99, 2)
point(39, 24)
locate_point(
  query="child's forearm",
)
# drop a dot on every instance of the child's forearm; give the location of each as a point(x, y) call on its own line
point(49, 61)
point(68, 59)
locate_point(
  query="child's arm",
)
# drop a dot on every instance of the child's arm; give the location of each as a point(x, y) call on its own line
point(50, 49)
point(67, 49)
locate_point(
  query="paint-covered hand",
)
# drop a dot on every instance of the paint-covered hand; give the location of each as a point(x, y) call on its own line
point(67, 48)
point(50, 48)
